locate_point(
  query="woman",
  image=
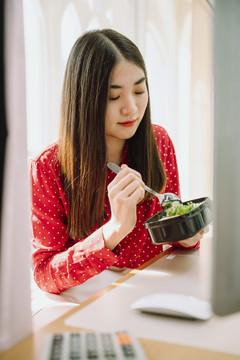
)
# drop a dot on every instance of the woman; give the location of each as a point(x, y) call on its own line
point(85, 218)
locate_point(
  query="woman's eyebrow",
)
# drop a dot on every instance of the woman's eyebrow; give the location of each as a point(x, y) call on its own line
point(136, 83)
point(140, 81)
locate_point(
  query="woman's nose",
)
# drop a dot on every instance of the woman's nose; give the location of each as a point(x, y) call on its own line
point(129, 106)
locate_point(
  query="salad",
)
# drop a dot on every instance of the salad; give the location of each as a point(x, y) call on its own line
point(179, 209)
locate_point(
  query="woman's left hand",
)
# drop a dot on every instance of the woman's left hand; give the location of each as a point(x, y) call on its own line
point(193, 240)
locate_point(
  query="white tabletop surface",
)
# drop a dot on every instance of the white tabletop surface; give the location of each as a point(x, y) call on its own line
point(49, 307)
point(184, 272)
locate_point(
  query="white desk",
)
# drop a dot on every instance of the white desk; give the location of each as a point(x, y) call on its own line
point(161, 337)
point(181, 272)
point(49, 307)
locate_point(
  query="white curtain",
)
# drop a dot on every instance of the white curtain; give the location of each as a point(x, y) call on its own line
point(178, 52)
point(175, 37)
point(15, 308)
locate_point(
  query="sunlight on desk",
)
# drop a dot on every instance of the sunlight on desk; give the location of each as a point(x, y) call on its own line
point(188, 274)
point(155, 273)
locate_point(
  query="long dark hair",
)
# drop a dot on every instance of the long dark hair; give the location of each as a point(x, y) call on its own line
point(82, 144)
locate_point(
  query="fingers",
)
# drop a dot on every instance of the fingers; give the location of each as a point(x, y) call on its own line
point(124, 193)
point(124, 166)
point(193, 240)
point(129, 186)
point(128, 182)
point(138, 194)
point(206, 229)
point(128, 171)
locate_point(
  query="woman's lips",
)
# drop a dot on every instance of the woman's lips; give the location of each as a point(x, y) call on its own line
point(128, 123)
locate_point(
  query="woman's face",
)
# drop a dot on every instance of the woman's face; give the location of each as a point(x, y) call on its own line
point(127, 102)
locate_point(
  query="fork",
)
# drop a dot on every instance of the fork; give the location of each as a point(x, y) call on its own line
point(165, 199)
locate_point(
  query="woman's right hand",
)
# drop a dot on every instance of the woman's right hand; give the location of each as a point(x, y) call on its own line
point(124, 193)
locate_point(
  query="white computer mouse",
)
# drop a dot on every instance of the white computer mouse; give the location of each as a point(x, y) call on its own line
point(172, 304)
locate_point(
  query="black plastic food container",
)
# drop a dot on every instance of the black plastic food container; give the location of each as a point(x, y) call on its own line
point(172, 229)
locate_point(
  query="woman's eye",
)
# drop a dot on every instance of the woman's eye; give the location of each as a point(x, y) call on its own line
point(140, 92)
point(114, 98)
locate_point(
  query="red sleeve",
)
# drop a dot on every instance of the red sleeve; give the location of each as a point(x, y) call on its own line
point(168, 157)
point(195, 247)
point(60, 262)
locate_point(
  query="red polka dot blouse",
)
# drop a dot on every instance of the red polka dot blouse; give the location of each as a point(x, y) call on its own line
point(60, 262)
